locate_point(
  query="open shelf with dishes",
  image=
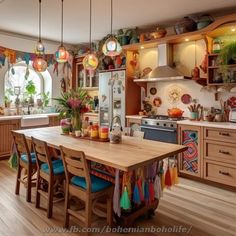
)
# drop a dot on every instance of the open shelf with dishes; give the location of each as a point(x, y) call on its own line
point(87, 80)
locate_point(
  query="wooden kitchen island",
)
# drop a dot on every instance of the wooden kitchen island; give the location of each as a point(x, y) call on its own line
point(127, 156)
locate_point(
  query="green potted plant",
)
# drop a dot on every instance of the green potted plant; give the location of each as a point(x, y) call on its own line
point(7, 97)
point(31, 91)
point(45, 99)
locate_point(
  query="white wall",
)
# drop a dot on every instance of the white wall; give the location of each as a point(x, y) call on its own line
point(184, 56)
point(27, 45)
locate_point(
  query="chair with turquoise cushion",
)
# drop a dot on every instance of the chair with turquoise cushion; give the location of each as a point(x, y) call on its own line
point(86, 187)
point(51, 171)
point(24, 157)
point(25, 160)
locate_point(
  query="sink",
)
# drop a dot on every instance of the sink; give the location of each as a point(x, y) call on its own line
point(34, 120)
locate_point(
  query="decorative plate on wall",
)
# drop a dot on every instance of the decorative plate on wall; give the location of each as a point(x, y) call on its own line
point(232, 102)
point(174, 94)
point(186, 98)
point(153, 91)
point(157, 102)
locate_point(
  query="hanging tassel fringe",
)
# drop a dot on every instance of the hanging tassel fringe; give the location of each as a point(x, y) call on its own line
point(125, 201)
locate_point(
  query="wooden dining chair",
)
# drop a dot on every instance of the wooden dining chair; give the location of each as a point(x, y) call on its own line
point(51, 171)
point(86, 187)
point(25, 160)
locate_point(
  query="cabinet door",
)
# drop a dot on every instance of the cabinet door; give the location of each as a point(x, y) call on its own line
point(190, 161)
point(6, 138)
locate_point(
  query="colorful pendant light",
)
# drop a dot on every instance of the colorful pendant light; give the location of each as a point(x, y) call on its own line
point(61, 54)
point(39, 64)
point(90, 61)
point(111, 47)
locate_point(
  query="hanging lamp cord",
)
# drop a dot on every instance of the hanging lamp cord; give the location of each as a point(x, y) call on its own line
point(40, 20)
point(195, 54)
point(111, 15)
point(62, 21)
point(90, 25)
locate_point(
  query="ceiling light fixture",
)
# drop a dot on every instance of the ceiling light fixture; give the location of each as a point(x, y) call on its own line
point(90, 61)
point(186, 40)
point(61, 54)
point(39, 64)
point(142, 47)
point(111, 47)
point(233, 29)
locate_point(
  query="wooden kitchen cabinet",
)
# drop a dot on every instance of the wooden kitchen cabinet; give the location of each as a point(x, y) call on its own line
point(220, 156)
point(6, 139)
point(54, 121)
point(83, 78)
point(190, 161)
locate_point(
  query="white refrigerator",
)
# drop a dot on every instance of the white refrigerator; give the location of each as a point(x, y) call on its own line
point(111, 97)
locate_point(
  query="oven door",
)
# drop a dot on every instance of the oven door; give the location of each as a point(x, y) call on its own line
point(162, 134)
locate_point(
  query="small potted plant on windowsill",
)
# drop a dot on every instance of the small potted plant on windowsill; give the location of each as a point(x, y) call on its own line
point(7, 97)
point(31, 91)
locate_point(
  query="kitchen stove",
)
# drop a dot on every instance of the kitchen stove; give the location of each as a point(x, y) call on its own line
point(160, 128)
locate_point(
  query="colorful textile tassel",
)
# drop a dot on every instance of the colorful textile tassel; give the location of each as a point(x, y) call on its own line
point(126, 183)
point(116, 196)
point(151, 192)
point(162, 176)
point(157, 187)
point(168, 177)
point(175, 176)
point(146, 191)
point(140, 188)
point(124, 200)
point(136, 194)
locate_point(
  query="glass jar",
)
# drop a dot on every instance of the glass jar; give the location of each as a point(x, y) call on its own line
point(104, 132)
point(216, 46)
point(94, 131)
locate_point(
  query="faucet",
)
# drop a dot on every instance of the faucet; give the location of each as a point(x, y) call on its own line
point(28, 111)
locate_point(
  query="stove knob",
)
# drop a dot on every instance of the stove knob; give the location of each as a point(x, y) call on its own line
point(145, 122)
point(171, 125)
point(164, 124)
point(158, 123)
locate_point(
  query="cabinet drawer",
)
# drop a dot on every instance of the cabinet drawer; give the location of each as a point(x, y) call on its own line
point(221, 173)
point(220, 134)
point(220, 152)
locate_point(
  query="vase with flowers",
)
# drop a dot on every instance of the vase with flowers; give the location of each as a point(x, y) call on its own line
point(73, 105)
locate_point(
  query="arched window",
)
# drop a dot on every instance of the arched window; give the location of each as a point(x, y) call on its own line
point(18, 80)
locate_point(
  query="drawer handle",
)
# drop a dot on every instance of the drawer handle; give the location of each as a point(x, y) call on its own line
point(224, 173)
point(224, 134)
point(224, 152)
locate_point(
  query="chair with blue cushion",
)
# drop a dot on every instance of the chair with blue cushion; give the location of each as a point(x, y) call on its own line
point(51, 171)
point(25, 160)
point(88, 188)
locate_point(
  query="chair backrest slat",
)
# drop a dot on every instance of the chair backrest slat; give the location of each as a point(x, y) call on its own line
point(21, 145)
point(75, 164)
point(42, 153)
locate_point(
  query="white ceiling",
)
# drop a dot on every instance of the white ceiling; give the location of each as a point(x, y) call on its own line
point(21, 16)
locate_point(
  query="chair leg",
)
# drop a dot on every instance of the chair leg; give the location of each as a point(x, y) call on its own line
point(67, 205)
point(29, 183)
point(50, 199)
point(18, 176)
point(88, 214)
point(37, 200)
point(110, 211)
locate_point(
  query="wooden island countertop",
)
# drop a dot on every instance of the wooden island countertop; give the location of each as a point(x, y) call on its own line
point(128, 155)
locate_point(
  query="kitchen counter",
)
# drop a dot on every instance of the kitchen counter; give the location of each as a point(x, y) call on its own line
point(134, 117)
point(222, 125)
point(19, 117)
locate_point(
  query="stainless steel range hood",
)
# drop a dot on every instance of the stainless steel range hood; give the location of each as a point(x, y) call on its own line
point(165, 70)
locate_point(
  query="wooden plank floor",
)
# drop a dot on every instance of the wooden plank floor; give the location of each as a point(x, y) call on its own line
point(208, 210)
